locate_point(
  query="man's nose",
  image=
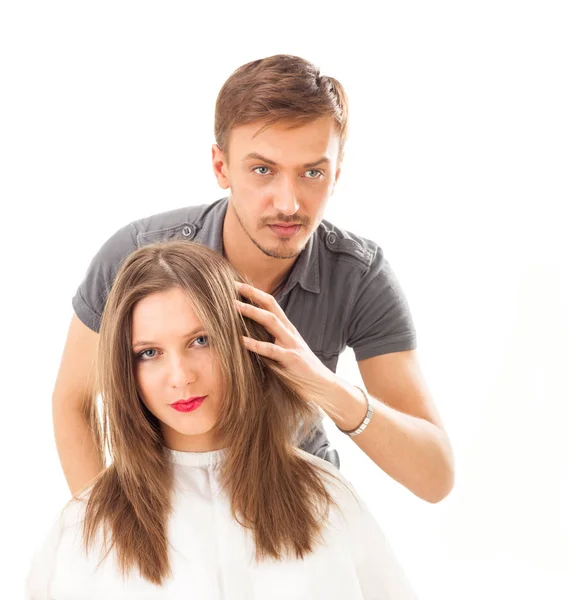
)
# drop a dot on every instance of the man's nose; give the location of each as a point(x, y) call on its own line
point(285, 198)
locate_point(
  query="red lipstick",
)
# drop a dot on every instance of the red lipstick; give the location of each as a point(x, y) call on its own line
point(188, 405)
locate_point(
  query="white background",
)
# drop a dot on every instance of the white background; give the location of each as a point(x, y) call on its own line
point(456, 166)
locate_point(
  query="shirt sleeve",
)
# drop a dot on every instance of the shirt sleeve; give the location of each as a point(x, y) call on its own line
point(40, 575)
point(91, 296)
point(380, 320)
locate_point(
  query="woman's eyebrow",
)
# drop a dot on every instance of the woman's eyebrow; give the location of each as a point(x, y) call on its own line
point(149, 343)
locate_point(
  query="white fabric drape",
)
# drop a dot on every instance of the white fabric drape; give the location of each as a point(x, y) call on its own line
point(212, 556)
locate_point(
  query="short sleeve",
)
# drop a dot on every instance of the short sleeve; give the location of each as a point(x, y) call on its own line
point(91, 296)
point(380, 320)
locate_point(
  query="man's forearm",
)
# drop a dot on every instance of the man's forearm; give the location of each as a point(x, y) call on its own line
point(411, 450)
point(76, 446)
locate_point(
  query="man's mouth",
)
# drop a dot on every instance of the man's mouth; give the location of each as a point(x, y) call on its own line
point(285, 229)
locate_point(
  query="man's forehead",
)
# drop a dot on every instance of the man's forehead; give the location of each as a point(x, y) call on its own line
point(288, 127)
point(312, 143)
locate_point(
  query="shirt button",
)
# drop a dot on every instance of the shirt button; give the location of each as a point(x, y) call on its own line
point(187, 231)
point(331, 237)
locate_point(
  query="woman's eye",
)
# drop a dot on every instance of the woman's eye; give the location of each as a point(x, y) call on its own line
point(264, 172)
point(147, 354)
point(203, 340)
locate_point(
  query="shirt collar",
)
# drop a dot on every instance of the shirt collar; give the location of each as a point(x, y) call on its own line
point(196, 459)
point(306, 268)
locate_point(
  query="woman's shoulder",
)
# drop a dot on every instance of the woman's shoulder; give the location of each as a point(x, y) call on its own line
point(71, 516)
point(339, 486)
point(316, 460)
point(73, 512)
point(63, 529)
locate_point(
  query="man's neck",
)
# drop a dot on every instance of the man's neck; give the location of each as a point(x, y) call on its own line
point(265, 273)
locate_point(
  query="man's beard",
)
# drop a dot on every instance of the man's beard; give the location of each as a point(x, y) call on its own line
point(281, 253)
point(277, 252)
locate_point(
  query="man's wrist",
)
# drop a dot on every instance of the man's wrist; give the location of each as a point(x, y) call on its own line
point(345, 403)
point(365, 422)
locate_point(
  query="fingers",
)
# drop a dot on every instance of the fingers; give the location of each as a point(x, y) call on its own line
point(266, 349)
point(265, 301)
point(268, 319)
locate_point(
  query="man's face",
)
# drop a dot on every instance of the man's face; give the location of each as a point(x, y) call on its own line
point(280, 181)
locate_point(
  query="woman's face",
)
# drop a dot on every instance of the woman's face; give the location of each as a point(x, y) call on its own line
point(176, 370)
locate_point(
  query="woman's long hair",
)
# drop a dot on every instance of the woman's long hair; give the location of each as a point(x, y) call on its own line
point(281, 497)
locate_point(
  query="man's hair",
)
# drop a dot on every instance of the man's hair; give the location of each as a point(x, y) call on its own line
point(274, 492)
point(279, 88)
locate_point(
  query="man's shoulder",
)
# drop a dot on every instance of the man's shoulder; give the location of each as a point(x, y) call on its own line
point(181, 223)
point(341, 243)
point(188, 220)
point(201, 223)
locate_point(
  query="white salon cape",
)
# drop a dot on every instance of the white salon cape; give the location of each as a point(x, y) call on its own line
point(212, 556)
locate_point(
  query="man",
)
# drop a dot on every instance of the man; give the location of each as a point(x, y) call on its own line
point(280, 130)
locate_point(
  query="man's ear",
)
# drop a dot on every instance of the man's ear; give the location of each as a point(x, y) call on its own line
point(220, 170)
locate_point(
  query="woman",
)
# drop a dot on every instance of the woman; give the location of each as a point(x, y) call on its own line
point(206, 494)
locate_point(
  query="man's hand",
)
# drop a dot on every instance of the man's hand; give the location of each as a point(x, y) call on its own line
point(410, 448)
point(289, 348)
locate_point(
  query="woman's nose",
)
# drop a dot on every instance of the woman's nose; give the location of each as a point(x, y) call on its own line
point(181, 373)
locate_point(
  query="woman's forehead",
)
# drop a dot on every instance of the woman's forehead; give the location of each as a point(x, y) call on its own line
point(165, 313)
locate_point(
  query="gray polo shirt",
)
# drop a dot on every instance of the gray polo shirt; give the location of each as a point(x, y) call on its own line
point(341, 290)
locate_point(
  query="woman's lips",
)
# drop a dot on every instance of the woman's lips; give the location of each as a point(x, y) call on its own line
point(188, 405)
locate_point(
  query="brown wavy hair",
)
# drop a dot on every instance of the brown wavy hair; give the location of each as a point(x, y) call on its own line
point(279, 88)
point(275, 492)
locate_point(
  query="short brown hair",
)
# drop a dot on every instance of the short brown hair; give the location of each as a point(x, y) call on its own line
point(279, 88)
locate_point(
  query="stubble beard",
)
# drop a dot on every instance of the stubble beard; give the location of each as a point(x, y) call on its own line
point(281, 253)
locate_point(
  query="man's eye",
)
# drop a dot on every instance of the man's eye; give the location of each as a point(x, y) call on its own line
point(258, 169)
point(314, 174)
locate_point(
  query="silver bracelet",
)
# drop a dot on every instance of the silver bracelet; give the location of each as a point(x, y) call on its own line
point(366, 420)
